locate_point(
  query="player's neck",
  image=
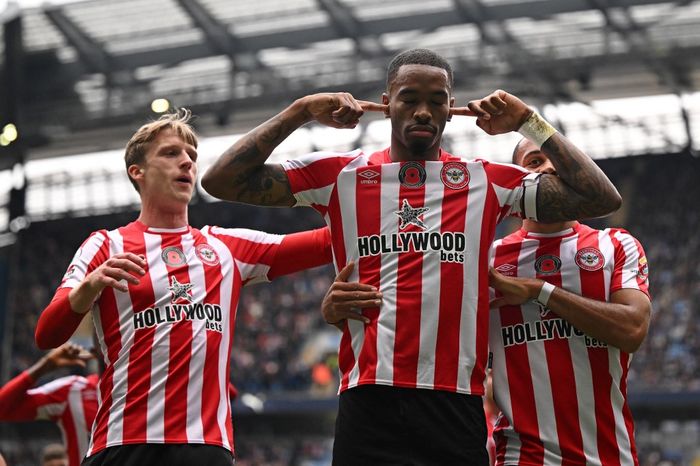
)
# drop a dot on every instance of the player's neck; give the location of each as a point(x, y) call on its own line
point(163, 218)
point(537, 227)
point(401, 153)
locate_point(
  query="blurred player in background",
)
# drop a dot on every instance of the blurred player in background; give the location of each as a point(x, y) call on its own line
point(418, 223)
point(573, 306)
point(71, 401)
point(164, 296)
point(54, 454)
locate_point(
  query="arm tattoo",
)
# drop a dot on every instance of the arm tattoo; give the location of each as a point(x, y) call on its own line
point(241, 175)
point(579, 190)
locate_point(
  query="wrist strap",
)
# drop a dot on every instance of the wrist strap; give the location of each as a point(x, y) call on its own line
point(537, 129)
point(545, 293)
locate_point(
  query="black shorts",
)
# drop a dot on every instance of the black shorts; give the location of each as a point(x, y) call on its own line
point(155, 454)
point(390, 426)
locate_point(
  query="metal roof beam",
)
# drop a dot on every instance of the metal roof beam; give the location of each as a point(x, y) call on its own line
point(95, 57)
point(348, 26)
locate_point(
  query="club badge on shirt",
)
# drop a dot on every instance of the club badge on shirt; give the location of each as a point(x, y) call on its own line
point(207, 254)
point(590, 259)
point(409, 216)
point(180, 291)
point(412, 175)
point(454, 175)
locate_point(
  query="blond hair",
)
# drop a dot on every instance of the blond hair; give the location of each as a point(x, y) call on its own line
point(140, 142)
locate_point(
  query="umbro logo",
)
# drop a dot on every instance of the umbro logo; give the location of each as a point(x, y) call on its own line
point(507, 269)
point(369, 176)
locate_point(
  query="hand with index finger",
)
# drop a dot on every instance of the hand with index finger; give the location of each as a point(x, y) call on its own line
point(344, 299)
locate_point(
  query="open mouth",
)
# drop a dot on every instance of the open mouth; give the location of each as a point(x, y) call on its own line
point(184, 179)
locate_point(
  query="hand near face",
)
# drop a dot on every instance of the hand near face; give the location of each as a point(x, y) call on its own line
point(499, 112)
point(68, 354)
point(337, 110)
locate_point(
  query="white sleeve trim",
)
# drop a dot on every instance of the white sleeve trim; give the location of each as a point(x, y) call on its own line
point(530, 186)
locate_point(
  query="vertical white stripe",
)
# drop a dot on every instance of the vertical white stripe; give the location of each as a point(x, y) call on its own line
point(386, 326)
point(97, 322)
point(430, 298)
point(476, 202)
point(539, 367)
point(228, 309)
point(198, 348)
point(81, 260)
point(75, 405)
point(571, 281)
point(607, 248)
point(115, 427)
point(346, 185)
point(160, 349)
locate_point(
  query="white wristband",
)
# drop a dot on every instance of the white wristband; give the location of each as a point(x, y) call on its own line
point(545, 293)
point(537, 129)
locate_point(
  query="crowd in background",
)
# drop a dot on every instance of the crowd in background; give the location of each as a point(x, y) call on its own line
point(277, 348)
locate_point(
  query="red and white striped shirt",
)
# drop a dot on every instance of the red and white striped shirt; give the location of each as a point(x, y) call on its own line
point(69, 401)
point(420, 232)
point(167, 341)
point(563, 394)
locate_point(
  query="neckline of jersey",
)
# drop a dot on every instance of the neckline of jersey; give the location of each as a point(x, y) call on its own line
point(162, 231)
point(444, 156)
point(557, 234)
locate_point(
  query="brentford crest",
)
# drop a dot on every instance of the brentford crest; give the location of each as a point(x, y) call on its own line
point(207, 254)
point(590, 259)
point(454, 175)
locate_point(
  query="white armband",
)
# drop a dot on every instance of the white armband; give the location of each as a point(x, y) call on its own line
point(537, 129)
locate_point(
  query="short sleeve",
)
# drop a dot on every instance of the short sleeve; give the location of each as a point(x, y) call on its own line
point(631, 270)
point(51, 399)
point(515, 189)
point(91, 254)
point(313, 176)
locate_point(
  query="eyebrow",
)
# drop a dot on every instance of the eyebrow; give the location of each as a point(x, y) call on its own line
point(409, 90)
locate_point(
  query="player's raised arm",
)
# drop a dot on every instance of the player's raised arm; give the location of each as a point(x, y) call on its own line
point(241, 174)
point(579, 189)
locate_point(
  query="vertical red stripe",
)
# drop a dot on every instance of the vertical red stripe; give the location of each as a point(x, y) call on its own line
point(593, 286)
point(489, 218)
point(522, 395)
point(409, 287)
point(368, 211)
point(211, 385)
point(139, 371)
point(454, 208)
point(180, 355)
point(626, 412)
point(71, 435)
point(561, 374)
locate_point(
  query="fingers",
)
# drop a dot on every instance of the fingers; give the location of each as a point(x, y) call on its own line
point(463, 111)
point(490, 106)
point(344, 274)
point(372, 106)
point(348, 111)
point(349, 314)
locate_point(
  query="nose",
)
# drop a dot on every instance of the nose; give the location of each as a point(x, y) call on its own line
point(547, 168)
point(186, 160)
point(422, 113)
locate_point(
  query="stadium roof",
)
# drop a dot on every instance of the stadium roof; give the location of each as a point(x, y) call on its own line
point(91, 68)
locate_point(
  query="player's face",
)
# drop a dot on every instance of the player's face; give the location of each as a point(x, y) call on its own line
point(169, 170)
point(419, 104)
point(530, 157)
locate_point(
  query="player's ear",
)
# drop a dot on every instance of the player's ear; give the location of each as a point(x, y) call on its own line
point(385, 101)
point(135, 172)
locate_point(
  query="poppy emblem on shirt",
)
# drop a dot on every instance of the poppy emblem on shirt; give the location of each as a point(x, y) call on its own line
point(454, 175)
point(412, 175)
point(590, 259)
point(207, 254)
point(547, 264)
point(173, 256)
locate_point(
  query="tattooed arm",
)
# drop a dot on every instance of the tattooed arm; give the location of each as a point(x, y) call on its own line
point(241, 174)
point(579, 189)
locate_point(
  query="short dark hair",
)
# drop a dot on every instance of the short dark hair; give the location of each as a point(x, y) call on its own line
point(516, 151)
point(53, 451)
point(418, 57)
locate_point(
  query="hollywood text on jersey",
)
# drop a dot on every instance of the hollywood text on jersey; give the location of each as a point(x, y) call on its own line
point(209, 313)
point(450, 245)
point(546, 329)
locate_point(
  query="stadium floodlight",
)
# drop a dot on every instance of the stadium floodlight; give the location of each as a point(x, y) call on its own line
point(10, 132)
point(3, 140)
point(160, 105)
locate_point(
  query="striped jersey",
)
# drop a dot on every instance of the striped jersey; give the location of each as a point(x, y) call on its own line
point(563, 394)
point(167, 341)
point(69, 401)
point(420, 232)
